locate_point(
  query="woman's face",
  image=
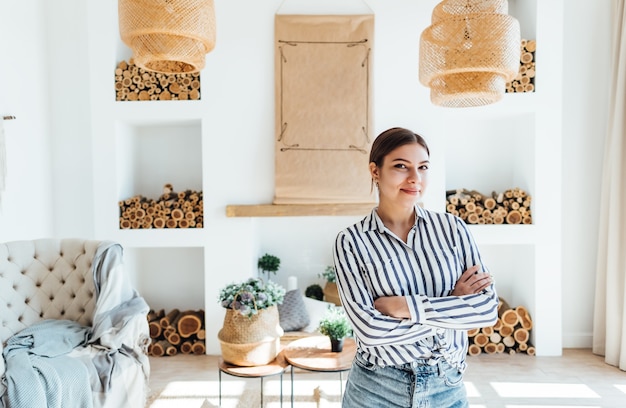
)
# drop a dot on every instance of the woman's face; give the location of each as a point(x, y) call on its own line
point(403, 176)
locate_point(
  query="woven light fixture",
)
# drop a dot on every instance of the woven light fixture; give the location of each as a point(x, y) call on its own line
point(169, 36)
point(469, 52)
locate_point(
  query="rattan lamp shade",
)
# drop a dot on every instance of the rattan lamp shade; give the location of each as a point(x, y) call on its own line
point(469, 53)
point(169, 36)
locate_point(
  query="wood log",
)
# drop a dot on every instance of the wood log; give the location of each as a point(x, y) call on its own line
point(190, 323)
point(481, 339)
point(160, 348)
point(167, 320)
point(201, 335)
point(173, 338)
point(198, 347)
point(521, 335)
point(186, 347)
point(514, 217)
point(171, 350)
point(524, 317)
point(490, 348)
point(168, 331)
point(155, 329)
point(509, 317)
point(506, 330)
point(474, 350)
point(473, 332)
point(508, 341)
point(498, 325)
point(155, 315)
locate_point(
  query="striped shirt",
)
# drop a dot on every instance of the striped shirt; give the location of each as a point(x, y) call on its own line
point(371, 261)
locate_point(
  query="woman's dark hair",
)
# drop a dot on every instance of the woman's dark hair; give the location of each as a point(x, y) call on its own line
point(391, 139)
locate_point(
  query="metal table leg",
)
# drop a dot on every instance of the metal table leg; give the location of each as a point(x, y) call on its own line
point(340, 384)
point(291, 386)
point(220, 386)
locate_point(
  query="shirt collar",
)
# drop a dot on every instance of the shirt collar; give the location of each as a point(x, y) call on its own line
point(374, 223)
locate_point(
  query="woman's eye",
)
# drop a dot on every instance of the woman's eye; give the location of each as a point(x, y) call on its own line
point(400, 166)
point(423, 167)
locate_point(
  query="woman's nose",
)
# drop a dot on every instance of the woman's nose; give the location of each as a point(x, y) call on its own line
point(414, 175)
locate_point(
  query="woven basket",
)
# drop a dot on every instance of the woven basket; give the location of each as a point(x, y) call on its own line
point(469, 52)
point(169, 36)
point(250, 341)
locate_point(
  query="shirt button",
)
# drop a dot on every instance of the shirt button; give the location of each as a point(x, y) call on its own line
point(414, 364)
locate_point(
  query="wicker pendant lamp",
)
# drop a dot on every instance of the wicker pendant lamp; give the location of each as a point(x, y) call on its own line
point(469, 52)
point(169, 36)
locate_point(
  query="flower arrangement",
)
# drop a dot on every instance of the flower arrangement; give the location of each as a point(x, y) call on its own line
point(335, 324)
point(248, 297)
point(329, 274)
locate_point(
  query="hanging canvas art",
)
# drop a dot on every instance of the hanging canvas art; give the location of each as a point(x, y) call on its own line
point(323, 108)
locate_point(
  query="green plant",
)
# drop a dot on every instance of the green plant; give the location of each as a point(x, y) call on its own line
point(248, 297)
point(335, 323)
point(329, 274)
point(314, 291)
point(268, 264)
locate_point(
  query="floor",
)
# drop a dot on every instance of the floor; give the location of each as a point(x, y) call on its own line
point(576, 379)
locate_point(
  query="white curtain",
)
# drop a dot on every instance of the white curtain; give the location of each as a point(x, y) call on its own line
point(609, 331)
point(3, 161)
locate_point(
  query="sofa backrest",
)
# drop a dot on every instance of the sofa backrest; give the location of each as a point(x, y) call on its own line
point(46, 279)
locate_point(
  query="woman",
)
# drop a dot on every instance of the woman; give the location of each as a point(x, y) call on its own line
point(412, 283)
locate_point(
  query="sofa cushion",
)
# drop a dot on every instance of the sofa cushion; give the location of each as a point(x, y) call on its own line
point(316, 310)
point(292, 312)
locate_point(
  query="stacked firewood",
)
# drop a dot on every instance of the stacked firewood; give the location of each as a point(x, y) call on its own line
point(136, 84)
point(510, 334)
point(509, 207)
point(525, 79)
point(170, 210)
point(176, 332)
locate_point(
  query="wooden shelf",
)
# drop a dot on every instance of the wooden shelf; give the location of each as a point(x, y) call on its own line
point(297, 210)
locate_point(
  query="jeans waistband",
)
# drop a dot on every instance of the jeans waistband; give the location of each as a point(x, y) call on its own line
point(422, 365)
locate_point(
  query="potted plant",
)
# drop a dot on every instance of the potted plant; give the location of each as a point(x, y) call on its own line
point(336, 326)
point(314, 291)
point(268, 264)
point(251, 332)
point(331, 293)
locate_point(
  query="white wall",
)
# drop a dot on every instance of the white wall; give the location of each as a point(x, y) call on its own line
point(46, 71)
point(27, 206)
point(585, 100)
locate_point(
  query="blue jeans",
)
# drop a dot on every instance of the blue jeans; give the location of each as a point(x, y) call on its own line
point(408, 386)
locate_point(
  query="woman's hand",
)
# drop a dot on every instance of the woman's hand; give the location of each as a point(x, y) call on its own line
point(393, 306)
point(472, 282)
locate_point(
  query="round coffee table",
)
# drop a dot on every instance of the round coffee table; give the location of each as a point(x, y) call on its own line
point(313, 354)
point(275, 367)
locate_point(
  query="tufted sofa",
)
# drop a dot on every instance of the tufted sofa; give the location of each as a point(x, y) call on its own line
point(56, 290)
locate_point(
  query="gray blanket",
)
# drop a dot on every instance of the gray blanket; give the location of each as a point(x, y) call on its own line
point(36, 356)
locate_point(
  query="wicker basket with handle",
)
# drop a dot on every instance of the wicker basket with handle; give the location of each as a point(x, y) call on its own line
point(250, 341)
